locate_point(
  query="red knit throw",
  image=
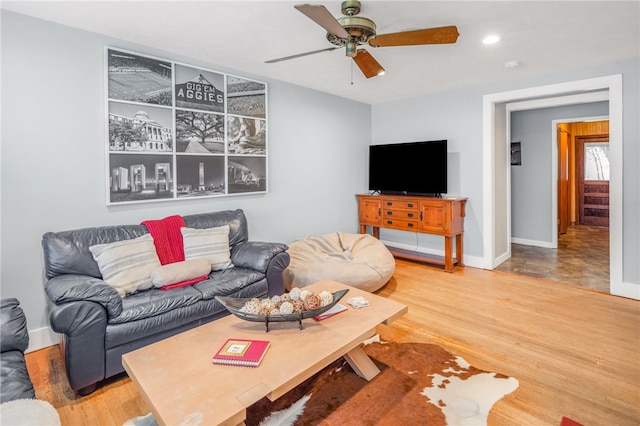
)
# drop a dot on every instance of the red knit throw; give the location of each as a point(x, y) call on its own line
point(167, 238)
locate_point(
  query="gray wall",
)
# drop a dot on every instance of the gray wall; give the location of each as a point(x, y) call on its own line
point(531, 182)
point(451, 116)
point(457, 116)
point(53, 154)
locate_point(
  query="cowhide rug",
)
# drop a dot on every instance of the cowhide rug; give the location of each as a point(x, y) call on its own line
point(418, 384)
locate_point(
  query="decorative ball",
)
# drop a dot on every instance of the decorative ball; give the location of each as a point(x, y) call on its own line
point(325, 298)
point(275, 299)
point(286, 308)
point(285, 297)
point(264, 310)
point(294, 293)
point(303, 294)
point(251, 307)
point(298, 305)
point(268, 303)
point(312, 301)
point(274, 311)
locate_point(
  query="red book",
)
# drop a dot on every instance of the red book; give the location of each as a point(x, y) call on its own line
point(336, 309)
point(241, 352)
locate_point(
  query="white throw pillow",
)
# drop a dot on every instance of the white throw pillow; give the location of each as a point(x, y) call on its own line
point(127, 265)
point(210, 243)
point(176, 272)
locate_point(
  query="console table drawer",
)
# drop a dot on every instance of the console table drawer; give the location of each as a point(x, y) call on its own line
point(406, 225)
point(400, 204)
point(400, 214)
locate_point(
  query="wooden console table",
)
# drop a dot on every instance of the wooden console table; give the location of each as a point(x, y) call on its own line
point(426, 215)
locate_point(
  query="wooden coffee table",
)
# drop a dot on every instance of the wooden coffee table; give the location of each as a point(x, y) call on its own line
point(182, 386)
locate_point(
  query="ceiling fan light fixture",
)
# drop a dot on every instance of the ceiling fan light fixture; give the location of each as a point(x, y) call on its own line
point(351, 48)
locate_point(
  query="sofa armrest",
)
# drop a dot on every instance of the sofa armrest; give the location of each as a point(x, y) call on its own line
point(83, 327)
point(74, 288)
point(14, 335)
point(275, 273)
point(255, 255)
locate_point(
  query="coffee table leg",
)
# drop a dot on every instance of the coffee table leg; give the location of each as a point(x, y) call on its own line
point(361, 363)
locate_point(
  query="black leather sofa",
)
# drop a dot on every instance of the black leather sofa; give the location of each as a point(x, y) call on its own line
point(97, 326)
point(15, 382)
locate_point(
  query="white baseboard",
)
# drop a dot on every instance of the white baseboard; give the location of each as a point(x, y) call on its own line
point(535, 243)
point(473, 261)
point(500, 259)
point(42, 338)
point(629, 290)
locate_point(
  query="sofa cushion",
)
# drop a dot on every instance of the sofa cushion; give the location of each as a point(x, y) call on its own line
point(177, 272)
point(237, 221)
point(127, 265)
point(155, 302)
point(210, 243)
point(67, 252)
point(228, 281)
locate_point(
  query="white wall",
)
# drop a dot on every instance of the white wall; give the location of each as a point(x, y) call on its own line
point(53, 165)
point(531, 199)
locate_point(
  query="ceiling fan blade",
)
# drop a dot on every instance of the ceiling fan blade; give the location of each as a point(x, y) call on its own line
point(299, 55)
point(440, 35)
point(367, 64)
point(321, 16)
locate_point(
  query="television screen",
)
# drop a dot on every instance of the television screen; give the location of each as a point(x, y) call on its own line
point(414, 168)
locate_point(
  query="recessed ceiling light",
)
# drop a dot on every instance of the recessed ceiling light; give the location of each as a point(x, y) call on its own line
point(491, 39)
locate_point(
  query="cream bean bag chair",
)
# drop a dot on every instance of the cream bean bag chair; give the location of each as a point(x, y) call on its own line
point(358, 260)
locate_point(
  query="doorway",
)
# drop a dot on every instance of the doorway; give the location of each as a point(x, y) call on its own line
point(593, 174)
point(578, 254)
point(496, 199)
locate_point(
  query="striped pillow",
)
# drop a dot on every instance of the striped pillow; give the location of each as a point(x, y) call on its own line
point(127, 265)
point(211, 244)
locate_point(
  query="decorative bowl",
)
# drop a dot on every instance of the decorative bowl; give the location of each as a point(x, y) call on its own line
point(234, 305)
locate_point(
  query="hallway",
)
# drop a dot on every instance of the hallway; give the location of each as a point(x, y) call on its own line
point(582, 258)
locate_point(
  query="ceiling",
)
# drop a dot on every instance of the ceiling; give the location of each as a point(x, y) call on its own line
point(544, 36)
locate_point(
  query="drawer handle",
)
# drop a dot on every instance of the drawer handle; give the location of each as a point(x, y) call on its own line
point(390, 213)
point(410, 215)
point(389, 222)
point(410, 225)
point(389, 203)
point(410, 205)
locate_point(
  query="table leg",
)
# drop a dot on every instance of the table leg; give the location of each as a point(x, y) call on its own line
point(361, 363)
point(448, 258)
point(376, 231)
point(459, 250)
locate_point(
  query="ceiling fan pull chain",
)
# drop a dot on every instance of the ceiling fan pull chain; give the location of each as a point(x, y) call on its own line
point(352, 73)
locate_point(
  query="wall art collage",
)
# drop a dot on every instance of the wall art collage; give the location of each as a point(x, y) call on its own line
point(176, 131)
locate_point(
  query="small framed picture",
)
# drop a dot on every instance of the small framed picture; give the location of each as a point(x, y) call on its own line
point(516, 154)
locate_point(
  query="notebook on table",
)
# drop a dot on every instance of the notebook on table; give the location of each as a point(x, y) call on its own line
point(241, 352)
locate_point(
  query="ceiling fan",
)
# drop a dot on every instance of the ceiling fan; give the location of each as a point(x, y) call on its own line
point(352, 31)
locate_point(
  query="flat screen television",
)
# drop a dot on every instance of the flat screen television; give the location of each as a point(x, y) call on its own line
point(413, 168)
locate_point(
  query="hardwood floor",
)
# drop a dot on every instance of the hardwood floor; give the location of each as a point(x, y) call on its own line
point(574, 351)
point(582, 258)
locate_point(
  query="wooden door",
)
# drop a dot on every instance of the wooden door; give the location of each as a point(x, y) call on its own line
point(593, 180)
point(563, 181)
